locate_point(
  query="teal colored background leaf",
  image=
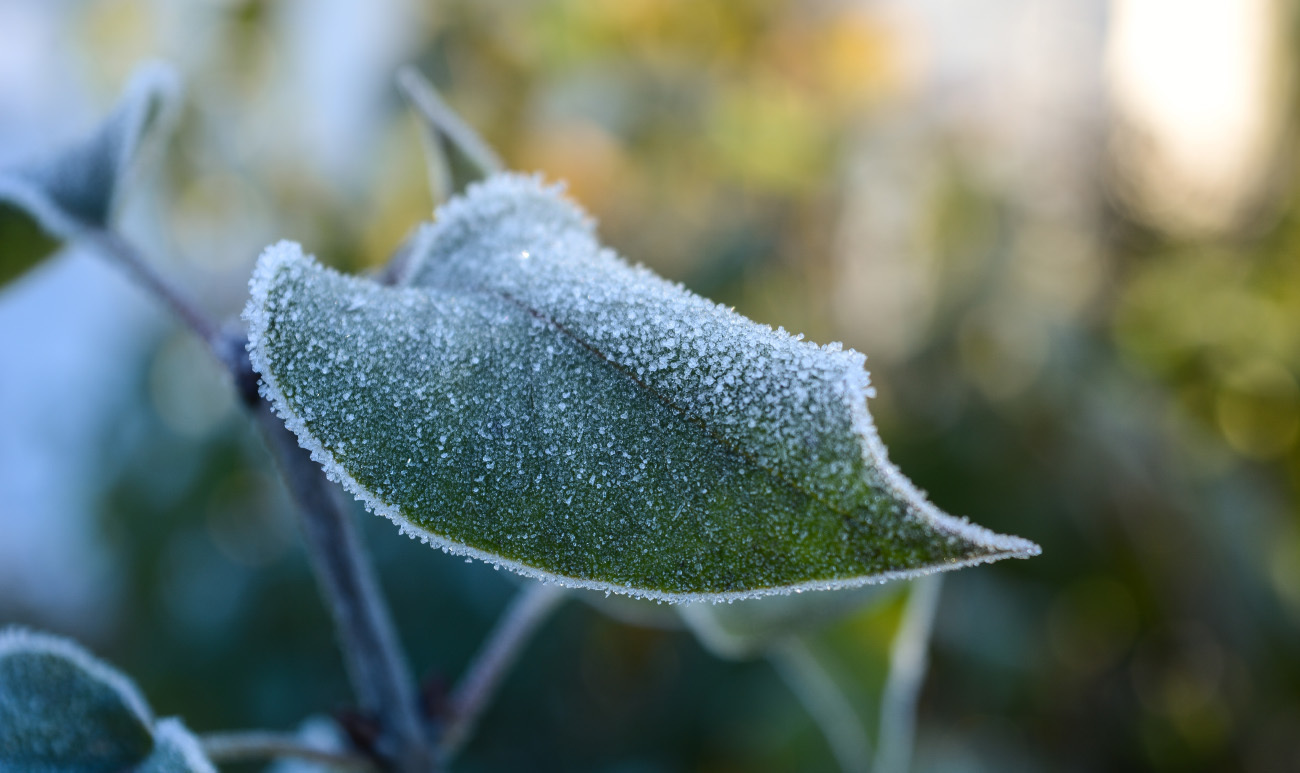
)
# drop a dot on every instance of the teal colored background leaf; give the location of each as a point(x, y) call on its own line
point(63, 710)
point(79, 186)
point(530, 399)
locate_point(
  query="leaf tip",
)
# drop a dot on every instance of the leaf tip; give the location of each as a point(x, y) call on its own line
point(79, 185)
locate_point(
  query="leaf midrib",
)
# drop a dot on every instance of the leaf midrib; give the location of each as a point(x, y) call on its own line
point(721, 440)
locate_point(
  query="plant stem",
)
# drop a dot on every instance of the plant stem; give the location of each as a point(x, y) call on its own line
point(399, 263)
point(526, 612)
point(129, 257)
point(907, 665)
point(257, 745)
point(825, 703)
point(371, 653)
point(367, 637)
point(425, 98)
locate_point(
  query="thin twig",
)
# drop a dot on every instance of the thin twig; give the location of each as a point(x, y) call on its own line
point(907, 665)
point(258, 745)
point(526, 612)
point(425, 98)
point(395, 271)
point(374, 659)
point(437, 166)
point(825, 703)
point(130, 258)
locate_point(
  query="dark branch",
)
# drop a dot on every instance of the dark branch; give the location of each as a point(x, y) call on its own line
point(366, 634)
point(372, 654)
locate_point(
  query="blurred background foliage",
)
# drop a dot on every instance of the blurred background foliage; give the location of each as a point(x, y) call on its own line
point(1066, 234)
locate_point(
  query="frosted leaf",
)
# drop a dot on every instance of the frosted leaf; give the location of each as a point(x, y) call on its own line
point(529, 399)
point(63, 710)
point(79, 186)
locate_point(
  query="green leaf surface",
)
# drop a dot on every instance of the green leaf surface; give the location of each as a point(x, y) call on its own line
point(529, 399)
point(63, 710)
point(79, 186)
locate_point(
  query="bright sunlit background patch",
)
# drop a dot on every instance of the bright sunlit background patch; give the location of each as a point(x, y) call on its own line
point(1198, 89)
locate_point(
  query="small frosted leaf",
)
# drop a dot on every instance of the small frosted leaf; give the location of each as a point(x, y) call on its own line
point(747, 628)
point(79, 186)
point(176, 751)
point(63, 710)
point(532, 400)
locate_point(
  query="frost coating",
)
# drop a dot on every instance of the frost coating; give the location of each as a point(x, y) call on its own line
point(799, 410)
point(63, 710)
point(531, 400)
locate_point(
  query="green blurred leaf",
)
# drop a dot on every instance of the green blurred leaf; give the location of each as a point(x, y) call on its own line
point(747, 628)
point(531, 400)
point(23, 243)
point(176, 751)
point(63, 710)
point(79, 186)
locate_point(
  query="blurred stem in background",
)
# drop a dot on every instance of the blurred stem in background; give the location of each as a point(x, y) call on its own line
point(375, 661)
point(832, 711)
point(513, 630)
point(907, 666)
point(258, 745)
point(367, 638)
point(373, 656)
point(825, 703)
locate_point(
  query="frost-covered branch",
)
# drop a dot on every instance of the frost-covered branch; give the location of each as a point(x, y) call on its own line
point(375, 663)
point(824, 702)
point(260, 745)
point(516, 626)
point(132, 260)
point(907, 664)
point(367, 637)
